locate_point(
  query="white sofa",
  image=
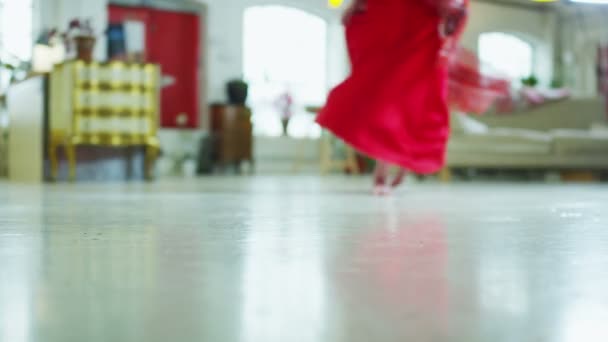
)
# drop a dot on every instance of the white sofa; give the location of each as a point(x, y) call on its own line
point(570, 134)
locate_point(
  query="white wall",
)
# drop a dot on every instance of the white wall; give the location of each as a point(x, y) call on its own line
point(584, 28)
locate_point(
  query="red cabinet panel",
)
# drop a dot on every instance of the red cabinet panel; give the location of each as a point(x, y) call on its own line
point(173, 41)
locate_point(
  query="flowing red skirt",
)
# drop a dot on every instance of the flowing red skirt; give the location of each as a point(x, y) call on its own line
point(472, 87)
point(394, 105)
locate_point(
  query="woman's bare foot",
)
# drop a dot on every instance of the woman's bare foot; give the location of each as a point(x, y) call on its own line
point(382, 190)
point(380, 179)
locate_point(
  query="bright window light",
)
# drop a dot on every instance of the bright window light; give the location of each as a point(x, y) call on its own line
point(507, 54)
point(16, 30)
point(285, 50)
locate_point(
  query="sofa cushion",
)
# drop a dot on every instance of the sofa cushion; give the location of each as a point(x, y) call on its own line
point(566, 142)
point(599, 128)
point(462, 123)
point(502, 140)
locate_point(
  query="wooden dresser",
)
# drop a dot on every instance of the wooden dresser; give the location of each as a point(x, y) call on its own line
point(232, 133)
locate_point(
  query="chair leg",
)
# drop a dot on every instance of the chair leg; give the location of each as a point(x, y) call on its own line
point(151, 156)
point(54, 162)
point(299, 157)
point(129, 162)
point(351, 161)
point(445, 175)
point(325, 162)
point(70, 151)
point(251, 166)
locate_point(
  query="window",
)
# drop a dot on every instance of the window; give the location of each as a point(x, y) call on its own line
point(285, 52)
point(507, 54)
point(16, 26)
point(16, 32)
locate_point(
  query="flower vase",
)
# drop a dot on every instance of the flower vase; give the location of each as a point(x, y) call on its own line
point(84, 48)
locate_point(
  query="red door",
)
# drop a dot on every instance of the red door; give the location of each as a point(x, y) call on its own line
point(173, 41)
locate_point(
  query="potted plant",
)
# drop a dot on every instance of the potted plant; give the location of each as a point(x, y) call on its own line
point(557, 83)
point(237, 91)
point(530, 81)
point(80, 34)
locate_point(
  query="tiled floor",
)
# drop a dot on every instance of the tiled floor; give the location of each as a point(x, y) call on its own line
point(303, 259)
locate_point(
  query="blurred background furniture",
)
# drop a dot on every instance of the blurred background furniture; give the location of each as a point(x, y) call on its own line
point(232, 135)
point(26, 101)
point(113, 104)
point(565, 135)
point(329, 161)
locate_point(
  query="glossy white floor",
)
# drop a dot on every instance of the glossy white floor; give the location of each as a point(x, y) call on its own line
point(303, 259)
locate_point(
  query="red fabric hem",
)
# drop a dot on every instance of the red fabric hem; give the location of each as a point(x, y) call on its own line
point(408, 163)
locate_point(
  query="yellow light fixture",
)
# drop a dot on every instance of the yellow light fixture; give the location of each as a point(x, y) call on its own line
point(335, 3)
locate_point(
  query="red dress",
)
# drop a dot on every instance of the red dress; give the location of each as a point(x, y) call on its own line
point(394, 105)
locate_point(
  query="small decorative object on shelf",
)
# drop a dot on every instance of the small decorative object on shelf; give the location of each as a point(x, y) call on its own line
point(84, 37)
point(48, 51)
point(84, 47)
point(184, 156)
point(79, 39)
point(237, 92)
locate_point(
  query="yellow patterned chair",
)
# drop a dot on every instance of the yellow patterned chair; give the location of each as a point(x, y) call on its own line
point(111, 104)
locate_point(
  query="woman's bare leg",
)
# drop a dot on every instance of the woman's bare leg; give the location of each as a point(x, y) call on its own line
point(380, 179)
point(399, 178)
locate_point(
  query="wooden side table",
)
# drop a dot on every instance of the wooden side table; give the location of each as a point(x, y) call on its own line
point(232, 134)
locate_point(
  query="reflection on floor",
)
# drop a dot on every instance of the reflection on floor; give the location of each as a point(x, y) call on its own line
point(303, 259)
